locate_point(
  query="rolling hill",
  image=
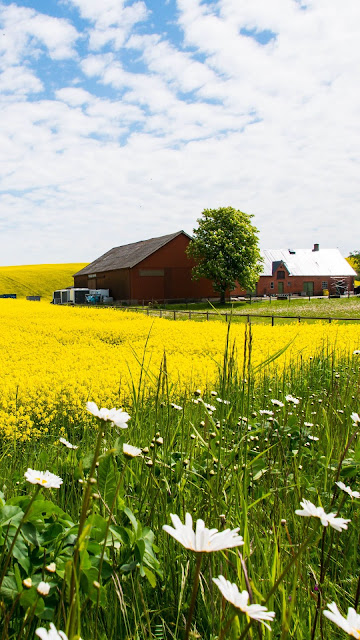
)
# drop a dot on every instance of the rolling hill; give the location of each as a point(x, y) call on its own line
point(37, 279)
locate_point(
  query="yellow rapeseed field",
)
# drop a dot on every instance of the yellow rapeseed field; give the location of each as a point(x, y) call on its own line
point(53, 359)
point(37, 279)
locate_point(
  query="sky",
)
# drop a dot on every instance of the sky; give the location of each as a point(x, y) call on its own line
point(122, 120)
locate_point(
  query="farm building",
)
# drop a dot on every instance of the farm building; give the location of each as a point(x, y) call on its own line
point(159, 269)
point(305, 271)
point(155, 269)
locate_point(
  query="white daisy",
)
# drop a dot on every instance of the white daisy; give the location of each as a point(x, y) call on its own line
point(356, 352)
point(43, 588)
point(202, 539)
point(278, 403)
point(290, 398)
point(355, 418)
point(176, 406)
point(309, 510)
point(43, 478)
point(315, 438)
point(131, 452)
point(343, 487)
point(350, 624)
point(240, 601)
point(266, 412)
point(115, 416)
point(52, 634)
point(68, 444)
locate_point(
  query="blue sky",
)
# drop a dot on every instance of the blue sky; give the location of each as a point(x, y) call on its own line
point(123, 119)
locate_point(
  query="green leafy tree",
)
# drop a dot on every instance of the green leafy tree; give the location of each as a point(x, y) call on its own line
point(225, 249)
point(354, 259)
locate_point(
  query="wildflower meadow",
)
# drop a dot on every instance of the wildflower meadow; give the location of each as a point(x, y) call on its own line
point(165, 480)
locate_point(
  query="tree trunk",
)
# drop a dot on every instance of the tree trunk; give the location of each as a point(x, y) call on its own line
point(222, 296)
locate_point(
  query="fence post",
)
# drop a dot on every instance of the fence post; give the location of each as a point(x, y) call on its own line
point(226, 317)
point(189, 314)
point(248, 318)
point(329, 320)
point(207, 315)
point(272, 321)
point(174, 314)
point(160, 312)
point(147, 311)
point(299, 319)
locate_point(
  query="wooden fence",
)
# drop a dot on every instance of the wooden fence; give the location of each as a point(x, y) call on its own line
point(177, 314)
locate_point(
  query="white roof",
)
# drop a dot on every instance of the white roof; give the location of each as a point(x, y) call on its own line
point(306, 262)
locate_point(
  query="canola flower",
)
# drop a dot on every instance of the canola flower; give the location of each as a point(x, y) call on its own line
point(38, 279)
point(62, 356)
point(202, 540)
point(240, 601)
point(350, 624)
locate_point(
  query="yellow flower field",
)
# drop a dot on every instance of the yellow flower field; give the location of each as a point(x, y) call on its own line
point(37, 279)
point(53, 359)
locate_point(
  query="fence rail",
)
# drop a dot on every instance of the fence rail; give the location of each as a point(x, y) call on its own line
point(177, 314)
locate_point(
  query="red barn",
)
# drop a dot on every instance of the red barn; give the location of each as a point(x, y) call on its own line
point(155, 269)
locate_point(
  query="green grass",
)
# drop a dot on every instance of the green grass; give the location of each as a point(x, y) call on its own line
point(262, 311)
point(232, 467)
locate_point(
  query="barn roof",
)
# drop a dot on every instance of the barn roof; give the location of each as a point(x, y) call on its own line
point(128, 255)
point(307, 262)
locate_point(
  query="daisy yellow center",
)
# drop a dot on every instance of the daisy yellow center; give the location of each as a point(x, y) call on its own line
point(41, 480)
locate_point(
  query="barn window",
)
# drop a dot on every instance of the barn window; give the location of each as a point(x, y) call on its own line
point(280, 275)
point(324, 284)
point(151, 272)
point(271, 285)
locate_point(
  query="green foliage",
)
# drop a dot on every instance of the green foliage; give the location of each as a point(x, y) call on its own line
point(355, 261)
point(225, 248)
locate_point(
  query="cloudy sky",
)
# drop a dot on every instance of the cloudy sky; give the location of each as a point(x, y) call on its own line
point(123, 119)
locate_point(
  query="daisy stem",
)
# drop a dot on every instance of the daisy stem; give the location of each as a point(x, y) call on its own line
point(193, 596)
point(109, 520)
point(9, 554)
point(281, 577)
point(84, 508)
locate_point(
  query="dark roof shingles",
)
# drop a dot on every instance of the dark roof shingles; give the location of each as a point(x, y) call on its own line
point(128, 255)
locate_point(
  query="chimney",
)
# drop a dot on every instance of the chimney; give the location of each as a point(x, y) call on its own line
point(316, 247)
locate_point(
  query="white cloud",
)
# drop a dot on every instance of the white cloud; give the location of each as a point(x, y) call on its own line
point(17, 81)
point(25, 30)
point(117, 155)
point(112, 20)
